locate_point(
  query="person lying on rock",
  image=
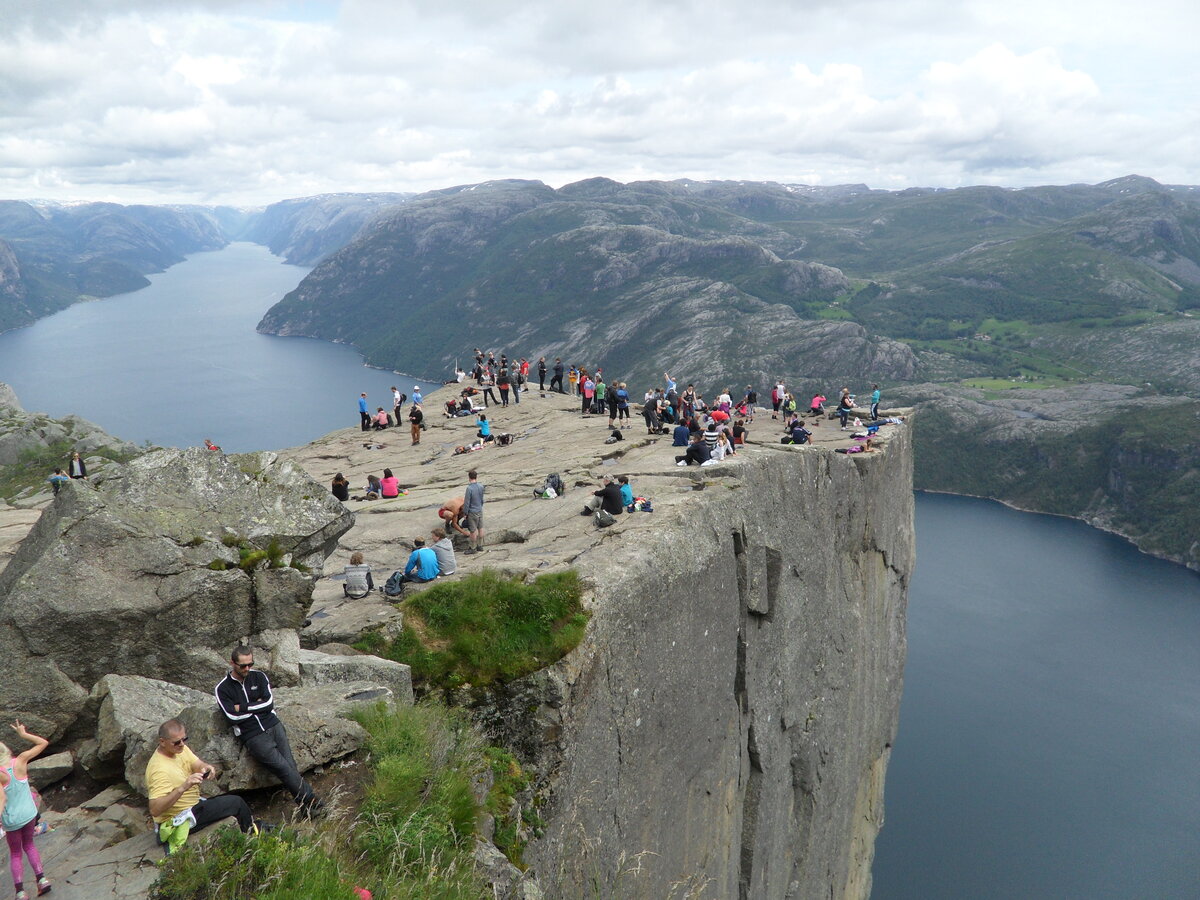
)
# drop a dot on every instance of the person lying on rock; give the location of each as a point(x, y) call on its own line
point(244, 696)
point(173, 776)
point(19, 814)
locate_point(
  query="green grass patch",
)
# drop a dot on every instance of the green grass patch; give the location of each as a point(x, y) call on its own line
point(485, 629)
point(412, 838)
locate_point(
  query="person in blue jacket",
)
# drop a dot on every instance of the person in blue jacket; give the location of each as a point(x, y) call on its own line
point(363, 412)
point(422, 563)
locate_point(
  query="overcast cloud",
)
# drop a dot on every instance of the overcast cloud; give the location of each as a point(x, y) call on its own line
point(252, 102)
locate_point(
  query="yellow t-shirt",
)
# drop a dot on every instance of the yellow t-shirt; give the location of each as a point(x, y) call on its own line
point(164, 774)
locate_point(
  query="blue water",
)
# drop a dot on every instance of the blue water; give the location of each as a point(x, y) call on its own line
point(1049, 740)
point(179, 361)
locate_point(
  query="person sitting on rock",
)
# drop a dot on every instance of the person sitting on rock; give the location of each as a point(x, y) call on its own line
point(798, 435)
point(389, 485)
point(626, 491)
point(422, 565)
point(608, 498)
point(209, 445)
point(443, 549)
point(76, 467)
point(697, 451)
point(485, 429)
point(173, 776)
point(380, 421)
point(679, 437)
point(340, 487)
point(359, 582)
point(244, 696)
point(741, 434)
point(19, 815)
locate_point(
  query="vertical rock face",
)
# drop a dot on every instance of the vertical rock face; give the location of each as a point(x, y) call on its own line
point(150, 574)
point(731, 714)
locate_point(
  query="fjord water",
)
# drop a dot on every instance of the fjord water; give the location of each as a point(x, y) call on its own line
point(1049, 741)
point(179, 361)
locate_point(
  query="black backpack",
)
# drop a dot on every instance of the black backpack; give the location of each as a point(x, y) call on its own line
point(395, 584)
point(553, 481)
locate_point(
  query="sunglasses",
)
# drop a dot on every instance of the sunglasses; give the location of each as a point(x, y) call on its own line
point(247, 665)
point(180, 742)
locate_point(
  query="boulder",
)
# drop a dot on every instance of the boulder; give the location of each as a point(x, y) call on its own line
point(317, 719)
point(46, 770)
point(338, 619)
point(139, 575)
point(324, 668)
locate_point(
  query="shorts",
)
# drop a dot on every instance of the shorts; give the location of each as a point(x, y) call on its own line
point(475, 521)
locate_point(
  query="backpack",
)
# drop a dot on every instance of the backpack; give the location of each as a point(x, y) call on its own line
point(604, 518)
point(503, 440)
point(395, 584)
point(555, 483)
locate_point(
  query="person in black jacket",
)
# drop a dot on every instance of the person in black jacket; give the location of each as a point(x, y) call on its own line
point(244, 696)
point(558, 375)
point(608, 498)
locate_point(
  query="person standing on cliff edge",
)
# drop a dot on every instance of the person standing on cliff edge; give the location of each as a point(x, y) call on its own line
point(874, 402)
point(364, 413)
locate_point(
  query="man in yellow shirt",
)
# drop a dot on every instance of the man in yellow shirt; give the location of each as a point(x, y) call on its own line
point(173, 777)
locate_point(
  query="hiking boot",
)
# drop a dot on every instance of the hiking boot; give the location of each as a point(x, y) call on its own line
point(43, 885)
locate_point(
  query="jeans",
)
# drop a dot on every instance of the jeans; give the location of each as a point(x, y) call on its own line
point(273, 752)
point(217, 808)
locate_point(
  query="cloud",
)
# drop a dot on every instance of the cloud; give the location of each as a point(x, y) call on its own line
point(253, 102)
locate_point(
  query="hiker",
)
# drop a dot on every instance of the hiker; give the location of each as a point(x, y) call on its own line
point(741, 434)
point(20, 813)
point(608, 498)
point(845, 406)
point(451, 513)
point(76, 467)
point(364, 413)
point(443, 549)
point(57, 480)
point(503, 383)
point(210, 445)
point(485, 428)
point(416, 420)
point(244, 696)
point(340, 487)
point(422, 566)
point(874, 402)
point(359, 582)
point(473, 507)
point(381, 420)
point(558, 375)
point(389, 485)
point(817, 408)
point(542, 374)
point(173, 776)
point(697, 452)
point(626, 490)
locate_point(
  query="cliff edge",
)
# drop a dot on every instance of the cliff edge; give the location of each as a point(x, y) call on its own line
point(724, 729)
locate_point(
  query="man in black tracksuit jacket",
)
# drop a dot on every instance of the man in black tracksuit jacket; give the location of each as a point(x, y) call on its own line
point(244, 696)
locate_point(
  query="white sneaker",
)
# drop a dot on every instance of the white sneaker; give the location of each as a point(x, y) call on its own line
point(682, 463)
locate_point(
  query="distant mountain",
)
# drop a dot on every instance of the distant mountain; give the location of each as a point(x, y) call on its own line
point(564, 272)
point(636, 278)
point(305, 230)
point(52, 255)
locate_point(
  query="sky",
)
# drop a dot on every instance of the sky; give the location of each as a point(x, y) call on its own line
point(217, 101)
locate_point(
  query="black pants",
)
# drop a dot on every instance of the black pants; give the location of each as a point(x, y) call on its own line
point(489, 395)
point(366, 420)
point(691, 456)
point(558, 379)
point(273, 752)
point(217, 808)
point(541, 381)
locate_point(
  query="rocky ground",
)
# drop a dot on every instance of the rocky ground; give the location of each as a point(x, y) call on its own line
point(102, 849)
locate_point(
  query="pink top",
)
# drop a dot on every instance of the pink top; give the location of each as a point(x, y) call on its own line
point(390, 486)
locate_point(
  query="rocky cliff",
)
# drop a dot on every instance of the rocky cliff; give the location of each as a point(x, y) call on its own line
point(724, 728)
